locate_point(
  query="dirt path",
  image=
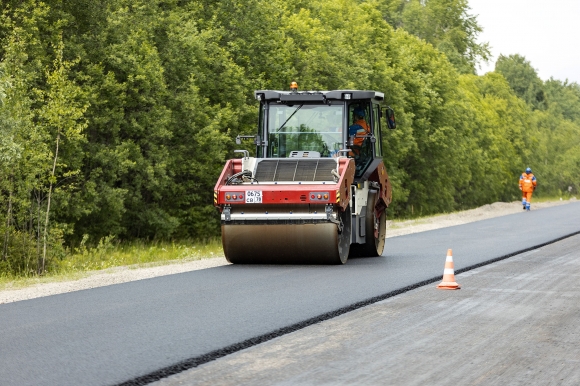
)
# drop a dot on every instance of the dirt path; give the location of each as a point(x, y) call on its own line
point(126, 274)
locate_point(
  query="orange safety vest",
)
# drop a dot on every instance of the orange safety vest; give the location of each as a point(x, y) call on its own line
point(528, 182)
point(364, 131)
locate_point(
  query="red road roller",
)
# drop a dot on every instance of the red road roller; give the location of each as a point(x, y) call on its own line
point(317, 190)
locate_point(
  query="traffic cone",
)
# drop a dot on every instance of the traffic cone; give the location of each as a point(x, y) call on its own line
point(449, 274)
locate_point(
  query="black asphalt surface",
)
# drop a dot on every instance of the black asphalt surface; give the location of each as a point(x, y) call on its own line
point(118, 333)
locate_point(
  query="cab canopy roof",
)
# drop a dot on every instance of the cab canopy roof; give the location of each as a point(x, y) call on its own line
point(317, 96)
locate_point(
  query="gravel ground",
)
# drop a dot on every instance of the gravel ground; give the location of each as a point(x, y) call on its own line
point(126, 274)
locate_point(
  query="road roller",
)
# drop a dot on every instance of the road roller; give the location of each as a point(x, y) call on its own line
point(316, 191)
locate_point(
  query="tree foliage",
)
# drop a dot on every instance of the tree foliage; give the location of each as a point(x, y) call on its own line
point(446, 24)
point(522, 78)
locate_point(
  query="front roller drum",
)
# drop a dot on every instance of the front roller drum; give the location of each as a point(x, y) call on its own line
point(320, 243)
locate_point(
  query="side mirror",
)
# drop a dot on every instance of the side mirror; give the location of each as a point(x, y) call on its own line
point(391, 123)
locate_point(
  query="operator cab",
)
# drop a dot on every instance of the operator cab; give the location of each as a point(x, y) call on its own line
point(321, 124)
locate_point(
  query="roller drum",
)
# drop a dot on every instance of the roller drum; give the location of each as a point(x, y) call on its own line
point(290, 243)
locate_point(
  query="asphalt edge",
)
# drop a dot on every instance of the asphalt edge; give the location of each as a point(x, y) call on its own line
point(220, 353)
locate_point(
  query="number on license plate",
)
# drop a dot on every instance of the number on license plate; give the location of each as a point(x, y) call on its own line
point(253, 197)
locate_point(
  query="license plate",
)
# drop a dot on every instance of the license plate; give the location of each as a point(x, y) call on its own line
point(253, 197)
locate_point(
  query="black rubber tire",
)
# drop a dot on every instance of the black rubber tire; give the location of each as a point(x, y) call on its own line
point(344, 235)
point(373, 246)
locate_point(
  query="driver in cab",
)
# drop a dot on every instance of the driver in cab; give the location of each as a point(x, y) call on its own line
point(358, 129)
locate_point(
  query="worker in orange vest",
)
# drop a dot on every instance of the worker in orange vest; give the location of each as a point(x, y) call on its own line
point(528, 184)
point(358, 129)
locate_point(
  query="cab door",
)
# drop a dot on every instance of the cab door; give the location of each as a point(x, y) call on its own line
point(361, 127)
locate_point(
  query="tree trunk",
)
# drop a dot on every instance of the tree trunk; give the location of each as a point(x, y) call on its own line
point(41, 268)
point(38, 201)
point(8, 223)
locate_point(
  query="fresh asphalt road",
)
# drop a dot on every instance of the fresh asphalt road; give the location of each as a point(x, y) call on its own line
point(117, 333)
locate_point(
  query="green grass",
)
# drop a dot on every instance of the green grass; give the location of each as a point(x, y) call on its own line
point(109, 254)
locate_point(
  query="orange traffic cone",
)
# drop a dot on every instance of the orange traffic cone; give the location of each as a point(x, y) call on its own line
point(449, 274)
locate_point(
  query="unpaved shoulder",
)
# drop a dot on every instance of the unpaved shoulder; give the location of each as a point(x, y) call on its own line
point(107, 277)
